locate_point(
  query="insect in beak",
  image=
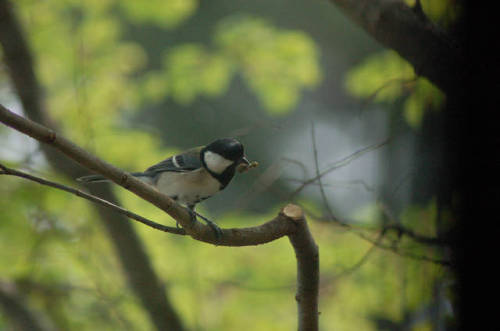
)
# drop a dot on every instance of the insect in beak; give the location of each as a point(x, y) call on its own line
point(244, 165)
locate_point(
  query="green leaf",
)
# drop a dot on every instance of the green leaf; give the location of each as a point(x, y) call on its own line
point(164, 13)
point(386, 78)
point(380, 76)
point(425, 96)
point(277, 64)
point(192, 70)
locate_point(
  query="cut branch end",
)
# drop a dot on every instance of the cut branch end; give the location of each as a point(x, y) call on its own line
point(293, 212)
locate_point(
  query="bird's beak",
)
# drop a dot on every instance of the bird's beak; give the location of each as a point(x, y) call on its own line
point(243, 165)
point(245, 161)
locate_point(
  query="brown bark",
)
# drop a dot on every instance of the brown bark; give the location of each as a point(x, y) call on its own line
point(432, 52)
point(289, 222)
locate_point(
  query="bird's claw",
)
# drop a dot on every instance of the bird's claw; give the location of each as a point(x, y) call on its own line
point(217, 230)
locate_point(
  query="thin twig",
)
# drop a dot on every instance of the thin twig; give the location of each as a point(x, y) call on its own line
point(360, 232)
point(338, 164)
point(301, 165)
point(401, 230)
point(321, 188)
point(363, 259)
point(92, 198)
point(396, 250)
point(378, 242)
point(371, 97)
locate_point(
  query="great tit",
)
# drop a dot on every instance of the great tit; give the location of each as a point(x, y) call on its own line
point(194, 175)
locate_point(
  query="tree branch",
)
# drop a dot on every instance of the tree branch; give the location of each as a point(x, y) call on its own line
point(197, 230)
point(320, 183)
point(432, 241)
point(307, 254)
point(336, 165)
point(142, 277)
point(432, 53)
point(289, 222)
point(17, 310)
point(92, 198)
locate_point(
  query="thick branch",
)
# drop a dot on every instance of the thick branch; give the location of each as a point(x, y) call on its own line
point(143, 279)
point(307, 254)
point(289, 222)
point(397, 26)
point(17, 310)
point(231, 237)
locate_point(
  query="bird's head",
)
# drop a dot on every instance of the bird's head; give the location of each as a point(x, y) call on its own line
point(222, 154)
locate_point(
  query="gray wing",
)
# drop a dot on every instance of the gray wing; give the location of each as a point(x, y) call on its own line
point(185, 162)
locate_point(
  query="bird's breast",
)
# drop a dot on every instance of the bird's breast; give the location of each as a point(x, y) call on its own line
point(188, 187)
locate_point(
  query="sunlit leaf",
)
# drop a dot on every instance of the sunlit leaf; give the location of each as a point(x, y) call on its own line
point(192, 70)
point(381, 76)
point(165, 13)
point(386, 77)
point(425, 96)
point(277, 64)
point(154, 86)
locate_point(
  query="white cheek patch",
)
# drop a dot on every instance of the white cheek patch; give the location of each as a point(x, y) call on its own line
point(216, 163)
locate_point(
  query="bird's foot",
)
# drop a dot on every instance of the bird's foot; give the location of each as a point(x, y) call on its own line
point(211, 224)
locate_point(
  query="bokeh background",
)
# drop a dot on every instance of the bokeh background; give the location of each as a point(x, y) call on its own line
point(299, 84)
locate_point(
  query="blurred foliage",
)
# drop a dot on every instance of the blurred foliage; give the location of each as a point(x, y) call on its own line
point(386, 77)
point(276, 64)
point(57, 252)
point(92, 76)
point(166, 14)
point(193, 70)
point(442, 12)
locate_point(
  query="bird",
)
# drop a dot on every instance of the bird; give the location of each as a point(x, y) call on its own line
point(194, 175)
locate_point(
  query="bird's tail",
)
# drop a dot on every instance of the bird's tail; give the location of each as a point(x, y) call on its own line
point(99, 178)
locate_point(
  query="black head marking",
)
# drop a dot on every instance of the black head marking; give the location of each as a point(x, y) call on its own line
point(228, 148)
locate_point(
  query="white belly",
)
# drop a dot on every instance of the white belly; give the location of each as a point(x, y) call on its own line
point(188, 187)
